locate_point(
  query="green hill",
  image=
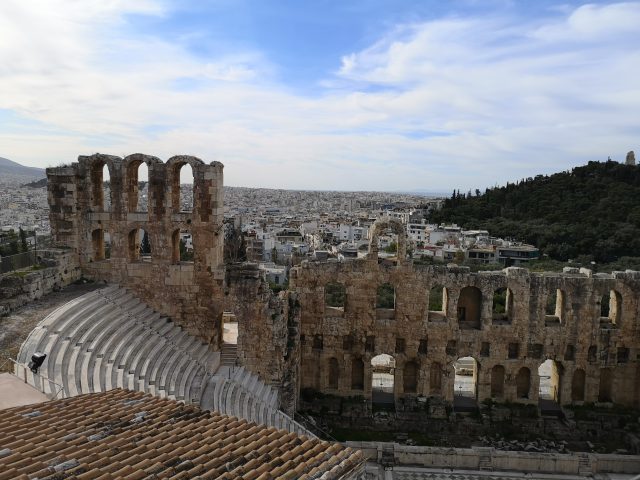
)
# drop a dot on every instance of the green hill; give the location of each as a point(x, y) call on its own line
point(591, 211)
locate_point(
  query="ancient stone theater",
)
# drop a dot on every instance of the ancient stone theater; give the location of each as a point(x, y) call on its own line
point(324, 331)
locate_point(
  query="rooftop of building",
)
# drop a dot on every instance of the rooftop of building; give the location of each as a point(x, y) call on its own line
point(126, 435)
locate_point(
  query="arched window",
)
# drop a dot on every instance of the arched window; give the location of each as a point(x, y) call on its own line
point(410, 377)
point(335, 295)
point(100, 187)
point(183, 194)
point(357, 374)
point(502, 306)
point(437, 303)
point(523, 383)
point(577, 386)
point(382, 379)
point(181, 246)
point(97, 242)
point(469, 308)
point(466, 377)
point(497, 381)
point(386, 296)
point(139, 244)
point(334, 373)
point(611, 307)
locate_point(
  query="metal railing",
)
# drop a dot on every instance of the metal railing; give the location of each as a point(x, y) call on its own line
point(59, 389)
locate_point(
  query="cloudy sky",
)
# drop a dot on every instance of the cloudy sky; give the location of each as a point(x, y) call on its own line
point(320, 94)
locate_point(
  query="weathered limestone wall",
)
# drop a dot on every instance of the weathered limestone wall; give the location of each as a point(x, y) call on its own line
point(190, 292)
point(597, 358)
point(496, 460)
point(22, 287)
point(268, 338)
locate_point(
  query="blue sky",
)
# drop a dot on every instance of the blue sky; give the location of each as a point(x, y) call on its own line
point(366, 95)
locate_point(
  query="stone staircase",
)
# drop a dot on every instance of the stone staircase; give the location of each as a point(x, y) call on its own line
point(107, 339)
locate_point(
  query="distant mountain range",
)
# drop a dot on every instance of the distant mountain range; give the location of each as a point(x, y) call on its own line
point(8, 167)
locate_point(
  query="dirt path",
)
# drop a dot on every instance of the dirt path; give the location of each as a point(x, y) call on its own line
point(15, 328)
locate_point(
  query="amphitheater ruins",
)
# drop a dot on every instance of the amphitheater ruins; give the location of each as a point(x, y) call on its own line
point(322, 333)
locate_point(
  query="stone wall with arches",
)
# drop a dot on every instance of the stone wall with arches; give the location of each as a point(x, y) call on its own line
point(596, 356)
point(143, 252)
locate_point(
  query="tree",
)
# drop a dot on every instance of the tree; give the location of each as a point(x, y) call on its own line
point(23, 241)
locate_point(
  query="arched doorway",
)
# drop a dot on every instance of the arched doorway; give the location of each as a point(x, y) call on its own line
point(465, 384)
point(382, 380)
point(549, 388)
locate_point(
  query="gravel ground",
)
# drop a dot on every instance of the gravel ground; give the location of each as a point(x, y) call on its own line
point(15, 328)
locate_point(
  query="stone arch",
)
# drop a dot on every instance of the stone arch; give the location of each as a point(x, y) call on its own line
point(139, 245)
point(469, 308)
point(502, 306)
point(383, 368)
point(438, 299)
point(98, 188)
point(335, 295)
point(132, 164)
point(357, 374)
point(410, 377)
point(497, 381)
point(549, 381)
point(333, 379)
point(465, 382)
point(435, 378)
point(606, 385)
point(174, 165)
point(523, 383)
point(397, 227)
point(578, 385)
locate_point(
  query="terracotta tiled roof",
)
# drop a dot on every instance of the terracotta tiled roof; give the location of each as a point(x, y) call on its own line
point(128, 435)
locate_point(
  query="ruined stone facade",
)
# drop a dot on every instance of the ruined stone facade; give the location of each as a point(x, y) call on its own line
point(596, 357)
point(82, 218)
point(323, 333)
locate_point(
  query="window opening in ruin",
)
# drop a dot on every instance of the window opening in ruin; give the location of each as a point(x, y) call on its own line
point(465, 384)
point(497, 382)
point(357, 374)
point(400, 345)
point(622, 355)
point(229, 329)
point(317, 342)
point(423, 346)
point(435, 379)
point(606, 383)
point(181, 246)
point(106, 189)
point(139, 246)
point(577, 386)
point(386, 297)
point(437, 304)
point(592, 354)
point(513, 351)
point(611, 308)
point(334, 374)
point(469, 308)
point(370, 343)
point(502, 306)
point(523, 382)
point(554, 309)
point(183, 189)
point(549, 381)
point(98, 245)
point(142, 192)
point(335, 295)
point(410, 377)
point(347, 342)
point(485, 349)
point(382, 380)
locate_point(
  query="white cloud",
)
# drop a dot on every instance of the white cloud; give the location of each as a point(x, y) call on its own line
point(455, 102)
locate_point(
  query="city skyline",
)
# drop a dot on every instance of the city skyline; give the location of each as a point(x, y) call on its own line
point(323, 96)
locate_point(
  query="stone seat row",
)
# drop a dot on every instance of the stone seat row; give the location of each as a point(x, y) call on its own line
point(238, 392)
point(108, 338)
